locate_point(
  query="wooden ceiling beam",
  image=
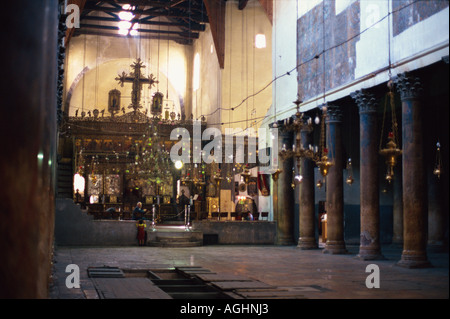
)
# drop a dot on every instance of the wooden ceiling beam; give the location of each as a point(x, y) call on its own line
point(184, 34)
point(216, 14)
point(172, 13)
point(268, 8)
point(145, 21)
point(242, 4)
point(178, 39)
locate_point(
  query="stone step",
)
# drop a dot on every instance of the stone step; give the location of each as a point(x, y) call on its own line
point(176, 238)
point(175, 244)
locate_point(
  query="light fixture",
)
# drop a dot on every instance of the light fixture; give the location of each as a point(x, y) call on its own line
point(298, 179)
point(391, 152)
point(349, 179)
point(126, 15)
point(123, 31)
point(134, 29)
point(260, 41)
point(317, 119)
point(128, 7)
point(319, 183)
point(317, 154)
point(438, 166)
point(78, 183)
point(178, 164)
point(124, 25)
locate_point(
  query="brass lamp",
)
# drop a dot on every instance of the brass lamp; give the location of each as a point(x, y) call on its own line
point(349, 180)
point(391, 152)
point(324, 165)
point(437, 168)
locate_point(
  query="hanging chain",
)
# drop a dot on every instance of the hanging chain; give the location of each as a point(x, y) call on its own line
point(394, 118)
point(384, 119)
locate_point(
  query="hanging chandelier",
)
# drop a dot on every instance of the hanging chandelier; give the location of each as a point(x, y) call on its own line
point(318, 154)
point(391, 152)
point(152, 158)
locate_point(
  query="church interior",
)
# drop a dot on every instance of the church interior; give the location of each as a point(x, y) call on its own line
point(315, 124)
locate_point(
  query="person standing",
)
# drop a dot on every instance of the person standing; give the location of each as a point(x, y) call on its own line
point(141, 232)
point(138, 212)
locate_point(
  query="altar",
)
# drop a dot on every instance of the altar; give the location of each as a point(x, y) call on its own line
point(124, 158)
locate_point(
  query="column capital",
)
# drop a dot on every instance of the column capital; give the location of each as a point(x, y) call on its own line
point(365, 100)
point(334, 114)
point(409, 86)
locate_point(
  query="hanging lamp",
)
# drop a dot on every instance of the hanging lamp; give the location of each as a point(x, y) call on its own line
point(438, 166)
point(391, 152)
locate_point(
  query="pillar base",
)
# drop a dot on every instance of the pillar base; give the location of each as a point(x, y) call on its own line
point(413, 259)
point(369, 254)
point(335, 248)
point(284, 241)
point(307, 243)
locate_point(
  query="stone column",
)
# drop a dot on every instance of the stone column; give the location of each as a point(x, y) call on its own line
point(285, 194)
point(414, 253)
point(397, 236)
point(28, 160)
point(307, 239)
point(335, 183)
point(369, 248)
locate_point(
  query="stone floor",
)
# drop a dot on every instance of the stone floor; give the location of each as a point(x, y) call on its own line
point(314, 274)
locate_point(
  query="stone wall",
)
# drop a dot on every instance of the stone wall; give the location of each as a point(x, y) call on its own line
point(73, 227)
point(239, 232)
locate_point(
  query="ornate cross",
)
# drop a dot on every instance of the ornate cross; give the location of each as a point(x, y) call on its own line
point(138, 80)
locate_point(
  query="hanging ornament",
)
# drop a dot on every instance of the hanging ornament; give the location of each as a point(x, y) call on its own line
point(319, 183)
point(324, 164)
point(391, 152)
point(349, 179)
point(438, 166)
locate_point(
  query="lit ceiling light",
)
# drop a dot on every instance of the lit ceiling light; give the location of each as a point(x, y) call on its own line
point(128, 7)
point(123, 31)
point(126, 15)
point(260, 41)
point(124, 25)
point(178, 164)
point(134, 30)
